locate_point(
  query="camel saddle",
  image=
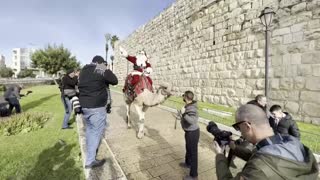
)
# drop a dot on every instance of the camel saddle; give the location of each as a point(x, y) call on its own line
point(131, 91)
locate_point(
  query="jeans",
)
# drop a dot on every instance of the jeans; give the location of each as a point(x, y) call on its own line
point(96, 120)
point(192, 139)
point(68, 111)
point(14, 103)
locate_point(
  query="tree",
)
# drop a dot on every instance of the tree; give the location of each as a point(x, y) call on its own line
point(53, 59)
point(6, 72)
point(112, 58)
point(114, 39)
point(26, 73)
point(107, 37)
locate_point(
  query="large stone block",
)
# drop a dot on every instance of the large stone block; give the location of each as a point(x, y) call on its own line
point(293, 95)
point(299, 82)
point(304, 70)
point(276, 60)
point(286, 83)
point(311, 109)
point(279, 72)
point(240, 83)
point(282, 31)
point(297, 37)
point(260, 84)
point(257, 92)
point(223, 100)
point(316, 70)
point(296, 58)
point(310, 96)
point(275, 84)
point(279, 95)
point(299, 7)
point(292, 107)
point(287, 39)
point(313, 84)
point(311, 58)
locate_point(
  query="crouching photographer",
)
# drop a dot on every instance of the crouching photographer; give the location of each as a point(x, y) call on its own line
point(274, 157)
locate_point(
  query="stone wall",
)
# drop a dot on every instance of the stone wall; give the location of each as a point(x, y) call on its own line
point(216, 49)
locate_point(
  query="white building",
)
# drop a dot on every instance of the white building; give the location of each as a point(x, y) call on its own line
point(21, 59)
point(2, 61)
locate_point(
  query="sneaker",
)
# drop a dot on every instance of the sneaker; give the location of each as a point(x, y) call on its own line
point(190, 178)
point(184, 165)
point(96, 163)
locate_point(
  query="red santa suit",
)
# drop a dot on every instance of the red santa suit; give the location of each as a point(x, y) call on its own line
point(142, 66)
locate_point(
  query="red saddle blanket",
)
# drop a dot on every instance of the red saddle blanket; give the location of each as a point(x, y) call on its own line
point(135, 85)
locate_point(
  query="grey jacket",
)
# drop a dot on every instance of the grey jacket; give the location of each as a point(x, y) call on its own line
point(12, 91)
point(189, 120)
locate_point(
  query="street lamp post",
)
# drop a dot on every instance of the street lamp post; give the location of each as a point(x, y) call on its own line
point(107, 37)
point(266, 17)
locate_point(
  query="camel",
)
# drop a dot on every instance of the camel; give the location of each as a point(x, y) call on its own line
point(143, 101)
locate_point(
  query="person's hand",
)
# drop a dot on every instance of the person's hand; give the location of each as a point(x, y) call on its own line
point(232, 145)
point(216, 148)
point(183, 110)
point(123, 52)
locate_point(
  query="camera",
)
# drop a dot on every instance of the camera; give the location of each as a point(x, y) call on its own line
point(76, 105)
point(221, 136)
point(224, 138)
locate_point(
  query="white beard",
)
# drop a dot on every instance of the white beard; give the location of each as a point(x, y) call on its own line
point(141, 60)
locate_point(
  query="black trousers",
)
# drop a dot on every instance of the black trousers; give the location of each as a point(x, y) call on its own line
point(192, 140)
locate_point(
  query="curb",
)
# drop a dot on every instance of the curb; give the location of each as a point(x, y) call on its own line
point(82, 143)
point(115, 160)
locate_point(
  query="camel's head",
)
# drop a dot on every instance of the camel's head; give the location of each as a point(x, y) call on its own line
point(165, 90)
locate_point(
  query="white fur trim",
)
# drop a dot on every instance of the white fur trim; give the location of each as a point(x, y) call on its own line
point(141, 60)
point(136, 73)
point(149, 70)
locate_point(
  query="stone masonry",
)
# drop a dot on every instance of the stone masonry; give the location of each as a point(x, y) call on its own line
point(216, 49)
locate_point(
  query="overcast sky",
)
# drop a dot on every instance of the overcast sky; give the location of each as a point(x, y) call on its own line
point(79, 25)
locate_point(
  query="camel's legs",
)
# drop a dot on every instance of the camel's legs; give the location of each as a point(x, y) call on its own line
point(141, 120)
point(128, 116)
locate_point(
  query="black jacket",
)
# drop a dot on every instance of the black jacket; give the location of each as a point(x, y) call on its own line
point(286, 126)
point(92, 86)
point(68, 82)
point(254, 102)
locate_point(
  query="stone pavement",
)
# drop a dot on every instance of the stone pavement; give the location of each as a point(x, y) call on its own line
point(158, 154)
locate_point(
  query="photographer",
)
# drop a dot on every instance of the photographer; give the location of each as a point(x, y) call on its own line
point(260, 101)
point(68, 89)
point(189, 123)
point(12, 95)
point(93, 81)
point(282, 122)
point(275, 156)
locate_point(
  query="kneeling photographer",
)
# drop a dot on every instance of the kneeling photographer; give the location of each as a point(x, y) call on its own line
point(274, 157)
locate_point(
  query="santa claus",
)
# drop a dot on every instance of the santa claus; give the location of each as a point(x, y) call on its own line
point(141, 66)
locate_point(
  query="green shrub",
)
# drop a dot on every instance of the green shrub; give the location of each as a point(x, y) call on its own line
point(23, 123)
point(26, 73)
point(2, 87)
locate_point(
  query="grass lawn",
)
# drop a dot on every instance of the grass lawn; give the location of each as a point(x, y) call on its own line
point(41, 154)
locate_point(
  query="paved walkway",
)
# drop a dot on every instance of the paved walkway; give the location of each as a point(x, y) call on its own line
point(158, 154)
